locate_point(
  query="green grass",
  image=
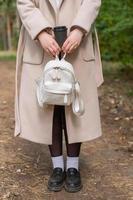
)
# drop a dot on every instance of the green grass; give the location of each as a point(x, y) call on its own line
point(130, 92)
point(113, 69)
point(7, 55)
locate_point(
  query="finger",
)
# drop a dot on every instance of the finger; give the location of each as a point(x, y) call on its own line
point(71, 51)
point(56, 50)
point(52, 51)
point(65, 44)
point(48, 51)
point(72, 48)
point(56, 45)
point(69, 46)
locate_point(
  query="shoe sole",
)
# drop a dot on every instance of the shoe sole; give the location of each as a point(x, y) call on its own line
point(55, 189)
point(76, 189)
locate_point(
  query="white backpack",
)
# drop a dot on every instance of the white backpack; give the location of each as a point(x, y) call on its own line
point(58, 86)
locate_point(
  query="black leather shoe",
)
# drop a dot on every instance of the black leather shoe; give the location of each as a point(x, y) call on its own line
point(56, 180)
point(73, 180)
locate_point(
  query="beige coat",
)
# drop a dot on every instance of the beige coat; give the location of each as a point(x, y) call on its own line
point(32, 122)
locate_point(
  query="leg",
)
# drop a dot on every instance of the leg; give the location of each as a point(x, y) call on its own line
point(55, 182)
point(73, 180)
point(56, 147)
point(73, 150)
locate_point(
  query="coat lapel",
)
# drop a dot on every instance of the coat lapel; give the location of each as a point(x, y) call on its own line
point(53, 4)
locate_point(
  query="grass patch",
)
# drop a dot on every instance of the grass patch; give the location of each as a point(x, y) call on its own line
point(7, 55)
point(130, 93)
point(113, 69)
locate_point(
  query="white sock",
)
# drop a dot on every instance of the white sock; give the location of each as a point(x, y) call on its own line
point(72, 162)
point(58, 161)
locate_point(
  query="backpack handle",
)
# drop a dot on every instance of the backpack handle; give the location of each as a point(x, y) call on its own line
point(63, 58)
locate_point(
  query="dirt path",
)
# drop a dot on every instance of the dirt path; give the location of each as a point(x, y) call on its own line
point(106, 163)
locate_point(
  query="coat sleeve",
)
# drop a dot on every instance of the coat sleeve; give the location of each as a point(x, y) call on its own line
point(86, 15)
point(32, 18)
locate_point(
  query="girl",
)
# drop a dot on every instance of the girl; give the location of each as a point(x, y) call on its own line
point(36, 47)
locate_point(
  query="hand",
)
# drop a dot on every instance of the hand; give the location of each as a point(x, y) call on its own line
point(48, 43)
point(73, 41)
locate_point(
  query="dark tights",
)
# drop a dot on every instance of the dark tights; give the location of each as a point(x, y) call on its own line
point(59, 123)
